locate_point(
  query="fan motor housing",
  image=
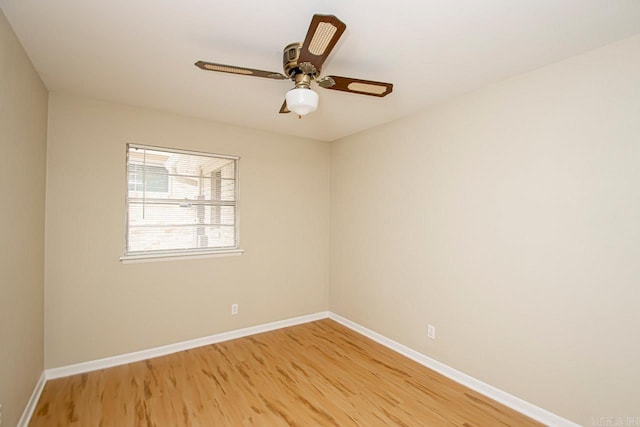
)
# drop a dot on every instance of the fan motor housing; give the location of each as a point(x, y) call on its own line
point(290, 59)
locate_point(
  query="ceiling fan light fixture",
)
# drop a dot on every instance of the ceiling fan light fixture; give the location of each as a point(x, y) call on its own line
point(302, 64)
point(302, 101)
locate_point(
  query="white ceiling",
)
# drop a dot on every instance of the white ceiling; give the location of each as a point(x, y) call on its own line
point(141, 52)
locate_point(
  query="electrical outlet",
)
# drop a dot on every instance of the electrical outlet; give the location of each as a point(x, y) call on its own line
point(234, 308)
point(431, 332)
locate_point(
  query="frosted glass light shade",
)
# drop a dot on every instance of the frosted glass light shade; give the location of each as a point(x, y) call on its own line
point(302, 101)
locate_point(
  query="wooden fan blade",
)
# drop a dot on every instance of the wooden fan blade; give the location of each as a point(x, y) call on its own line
point(284, 109)
point(210, 66)
point(363, 87)
point(323, 34)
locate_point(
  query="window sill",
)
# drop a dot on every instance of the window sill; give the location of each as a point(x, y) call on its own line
point(133, 259)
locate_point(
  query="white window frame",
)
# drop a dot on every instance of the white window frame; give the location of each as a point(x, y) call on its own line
point(166, 255)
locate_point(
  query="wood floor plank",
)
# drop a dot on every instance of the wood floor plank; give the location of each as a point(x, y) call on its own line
point(318, 373)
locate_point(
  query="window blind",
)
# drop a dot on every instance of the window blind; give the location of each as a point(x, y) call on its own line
point(180, 201)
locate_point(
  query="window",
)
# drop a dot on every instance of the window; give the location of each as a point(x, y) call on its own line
point(180, 202)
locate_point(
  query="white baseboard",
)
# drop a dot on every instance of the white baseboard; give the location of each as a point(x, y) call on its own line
point(509, 400)
point(137, 356)
point(33, 401)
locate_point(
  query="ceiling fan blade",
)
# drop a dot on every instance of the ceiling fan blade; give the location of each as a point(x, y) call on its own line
point(363, 87)
point(210, 66)
point(323, 34)
point(284, 109)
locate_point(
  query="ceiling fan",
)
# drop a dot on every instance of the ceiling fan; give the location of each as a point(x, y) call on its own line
point(302, 64)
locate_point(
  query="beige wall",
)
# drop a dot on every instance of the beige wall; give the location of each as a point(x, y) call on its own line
point(98, 307)
point(510, 219)
point(23, 134)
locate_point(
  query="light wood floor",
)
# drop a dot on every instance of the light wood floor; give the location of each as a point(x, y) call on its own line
point(316, 374)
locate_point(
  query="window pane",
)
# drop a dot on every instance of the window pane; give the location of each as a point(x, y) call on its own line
point(144, 214)
point(148, 178)
point(158, 238)
point(229, 170)
point(180, 201)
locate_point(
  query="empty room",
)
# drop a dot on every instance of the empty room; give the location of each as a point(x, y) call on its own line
point(420, 213)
